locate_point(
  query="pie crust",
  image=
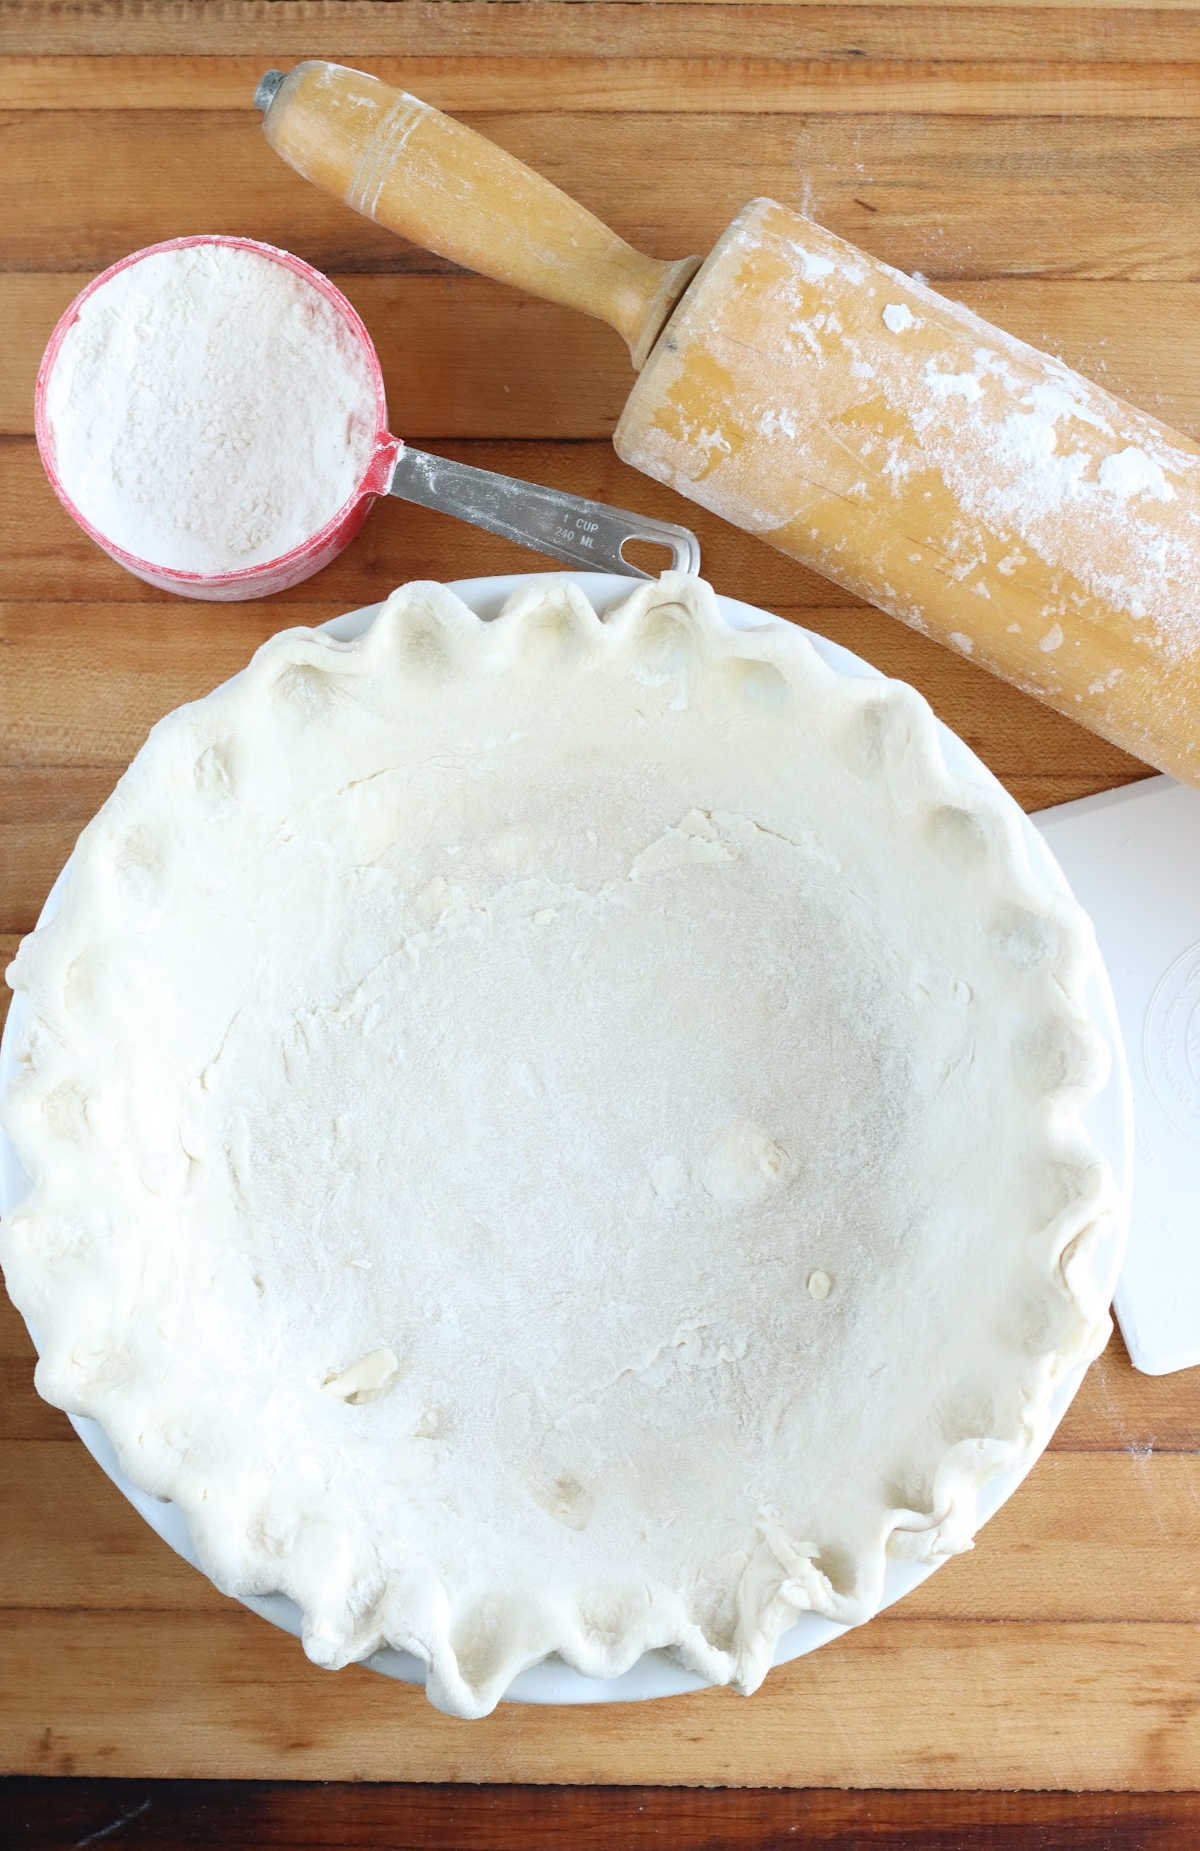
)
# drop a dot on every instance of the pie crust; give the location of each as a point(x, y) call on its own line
point(558, 1135)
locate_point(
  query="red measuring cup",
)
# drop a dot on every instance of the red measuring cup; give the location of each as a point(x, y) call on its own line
point(567, 527)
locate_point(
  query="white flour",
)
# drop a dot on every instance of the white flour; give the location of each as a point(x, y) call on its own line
point(898, 317)
point(210, 410)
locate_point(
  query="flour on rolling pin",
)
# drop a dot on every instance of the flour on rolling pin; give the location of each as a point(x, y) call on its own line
point(937, 467)
point(208, 409)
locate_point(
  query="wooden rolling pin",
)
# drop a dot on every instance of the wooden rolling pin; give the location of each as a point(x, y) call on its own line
point(928, 462)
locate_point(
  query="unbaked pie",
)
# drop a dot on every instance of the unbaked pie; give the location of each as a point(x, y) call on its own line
point(558, 1135)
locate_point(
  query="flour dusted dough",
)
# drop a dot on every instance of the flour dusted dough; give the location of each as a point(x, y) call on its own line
point(557, 1135)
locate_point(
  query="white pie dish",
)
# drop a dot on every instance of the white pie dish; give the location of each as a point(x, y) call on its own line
point(1108, 1121)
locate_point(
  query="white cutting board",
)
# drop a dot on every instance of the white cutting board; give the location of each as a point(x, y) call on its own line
point(1133, 859)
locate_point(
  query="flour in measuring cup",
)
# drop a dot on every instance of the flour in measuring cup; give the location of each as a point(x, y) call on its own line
point(209, 409)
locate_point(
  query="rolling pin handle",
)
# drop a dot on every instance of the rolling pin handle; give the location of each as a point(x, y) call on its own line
point(438, 183)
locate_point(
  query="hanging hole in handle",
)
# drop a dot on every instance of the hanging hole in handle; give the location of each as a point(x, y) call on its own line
point(652, 556)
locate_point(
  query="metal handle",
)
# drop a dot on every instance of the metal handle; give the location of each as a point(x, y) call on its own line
point(567, 527)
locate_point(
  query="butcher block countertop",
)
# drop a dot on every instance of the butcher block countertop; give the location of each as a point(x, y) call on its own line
point(1040, 162)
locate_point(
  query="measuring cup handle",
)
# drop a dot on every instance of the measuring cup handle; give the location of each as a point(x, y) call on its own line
point(567, 527)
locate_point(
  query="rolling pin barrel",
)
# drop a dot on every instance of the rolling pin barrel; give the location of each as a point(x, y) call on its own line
point(940, 469)
point(929, 463)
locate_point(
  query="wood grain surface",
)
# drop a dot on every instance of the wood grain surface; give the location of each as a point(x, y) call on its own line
point(1042, 162)
point(198, 1816)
